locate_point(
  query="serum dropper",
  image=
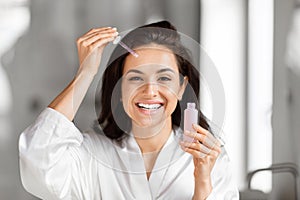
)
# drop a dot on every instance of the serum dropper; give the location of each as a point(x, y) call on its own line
point(118, 41)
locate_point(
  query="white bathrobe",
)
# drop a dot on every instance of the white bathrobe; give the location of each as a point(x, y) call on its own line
point(57, 161)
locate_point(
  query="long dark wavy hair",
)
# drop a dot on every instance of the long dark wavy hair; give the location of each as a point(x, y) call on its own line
point(161, 33)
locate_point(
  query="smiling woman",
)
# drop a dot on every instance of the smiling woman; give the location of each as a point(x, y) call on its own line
point(138, 152)
point(149, 90)
point(153, 87)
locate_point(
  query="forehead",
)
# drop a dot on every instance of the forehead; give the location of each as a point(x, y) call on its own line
point(151, 56)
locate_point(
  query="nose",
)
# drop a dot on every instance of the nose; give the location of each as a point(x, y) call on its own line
point(150, 89)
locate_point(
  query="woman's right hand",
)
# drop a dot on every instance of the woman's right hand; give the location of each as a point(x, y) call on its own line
point(90, 48)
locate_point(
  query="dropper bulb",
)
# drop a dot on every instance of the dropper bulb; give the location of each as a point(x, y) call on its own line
point(117, 40)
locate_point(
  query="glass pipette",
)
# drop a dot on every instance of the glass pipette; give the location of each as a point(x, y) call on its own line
point(118, 41)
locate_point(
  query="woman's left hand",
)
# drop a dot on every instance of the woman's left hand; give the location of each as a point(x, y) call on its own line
point(205, 150)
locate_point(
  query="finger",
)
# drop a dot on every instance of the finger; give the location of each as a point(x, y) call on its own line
point(99, 30)
point(211, 143)
point(201, 149)
point(95, 31)
point(113, 30)
point(91, 32)
point(85, 38)
point(98, 37)
point(203, 131)
point(102, 41)
point(196, 154)
point(196, 146)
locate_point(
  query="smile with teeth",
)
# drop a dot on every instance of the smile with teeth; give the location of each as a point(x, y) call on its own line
point(154, 106)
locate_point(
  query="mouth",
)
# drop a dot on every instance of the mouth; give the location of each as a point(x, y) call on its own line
point(149, 106)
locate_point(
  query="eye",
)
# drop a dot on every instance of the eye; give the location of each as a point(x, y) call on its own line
point(135, 78)
point(164, 78)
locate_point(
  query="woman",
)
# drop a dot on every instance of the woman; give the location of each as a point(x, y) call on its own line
point(138, 155)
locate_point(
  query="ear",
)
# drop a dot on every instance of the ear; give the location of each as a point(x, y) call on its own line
point(182, 88)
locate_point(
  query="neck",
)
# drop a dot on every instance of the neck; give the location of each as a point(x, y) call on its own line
point(152, 138)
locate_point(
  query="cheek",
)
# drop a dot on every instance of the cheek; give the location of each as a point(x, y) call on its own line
point(170, 90)
point(172, 100)
point(128, 92)
point(171, 87)
point(125, 99)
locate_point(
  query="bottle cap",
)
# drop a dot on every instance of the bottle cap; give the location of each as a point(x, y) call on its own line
point(191, 105)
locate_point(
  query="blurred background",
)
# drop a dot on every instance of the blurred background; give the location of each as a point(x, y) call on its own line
point(254, 44)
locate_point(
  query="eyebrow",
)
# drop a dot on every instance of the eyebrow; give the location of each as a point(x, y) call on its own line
point(159, 71)
point(134, 71)
point(165, 70)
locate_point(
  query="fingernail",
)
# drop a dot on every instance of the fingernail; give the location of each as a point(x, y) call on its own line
point(114, 28)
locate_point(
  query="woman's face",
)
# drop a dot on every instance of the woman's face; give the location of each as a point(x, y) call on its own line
point(151, 85)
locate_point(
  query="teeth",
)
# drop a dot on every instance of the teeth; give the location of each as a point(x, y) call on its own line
point(149, 106)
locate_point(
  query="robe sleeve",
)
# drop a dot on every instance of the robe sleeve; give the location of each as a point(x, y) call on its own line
point(224, 186)
point(50, 155)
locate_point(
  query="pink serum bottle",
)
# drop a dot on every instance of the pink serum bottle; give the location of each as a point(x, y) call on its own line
point(190, 118)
